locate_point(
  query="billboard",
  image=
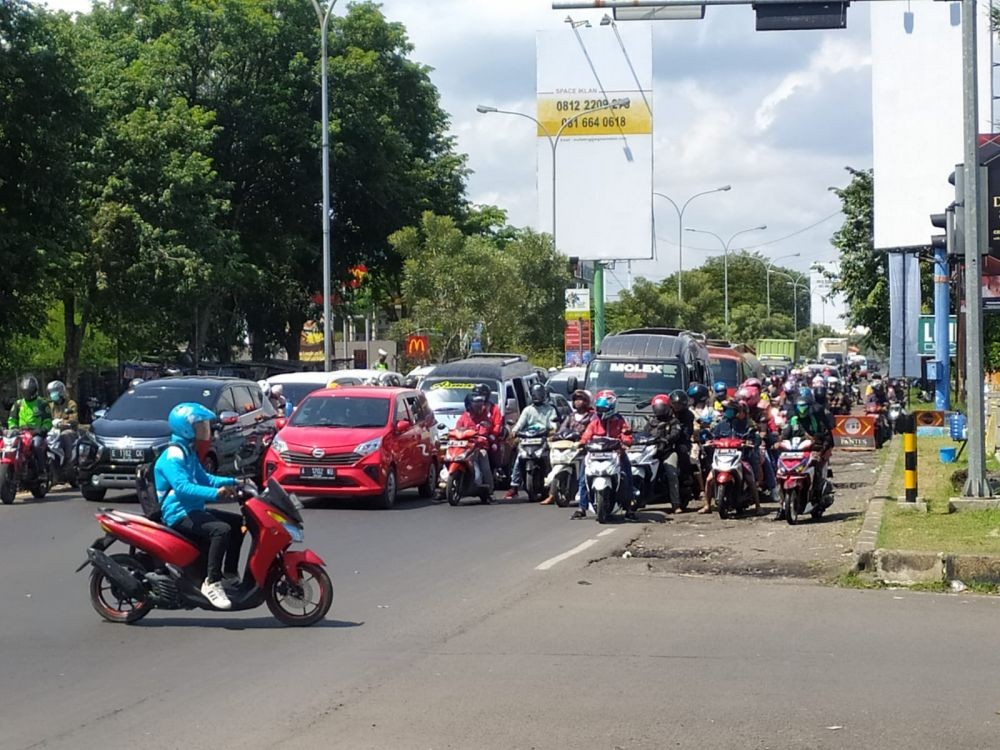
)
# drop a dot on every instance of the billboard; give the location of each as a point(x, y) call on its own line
point(602, 157)
point(917, 112)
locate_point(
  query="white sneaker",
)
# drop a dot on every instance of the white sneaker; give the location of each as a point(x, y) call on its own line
point(215, 594)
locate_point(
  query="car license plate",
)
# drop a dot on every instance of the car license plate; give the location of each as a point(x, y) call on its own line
point(457, 443)
point(318, 472)
point(601, 455)
point(127, 454)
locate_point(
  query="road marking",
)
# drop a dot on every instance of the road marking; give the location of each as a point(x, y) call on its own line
point(607, 531)
point(553, 561)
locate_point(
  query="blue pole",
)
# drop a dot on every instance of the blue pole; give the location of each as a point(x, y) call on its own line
point(942, 395)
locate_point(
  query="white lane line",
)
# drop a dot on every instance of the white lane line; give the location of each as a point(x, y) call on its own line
point(607, 531)
point(552, 561)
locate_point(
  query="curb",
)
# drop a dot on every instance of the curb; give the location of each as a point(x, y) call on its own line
point(906, 568)
point(864, 545)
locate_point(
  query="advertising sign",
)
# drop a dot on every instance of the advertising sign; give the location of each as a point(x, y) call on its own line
point(577, 341)
point(602, 156)
point(926, 345)
point(577, 303)
point(854, 433)
point(418, 347)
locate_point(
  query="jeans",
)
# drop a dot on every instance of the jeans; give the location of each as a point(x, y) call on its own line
point(583, 498)
point(482, 472)
point(673, 478)
point(223, 532)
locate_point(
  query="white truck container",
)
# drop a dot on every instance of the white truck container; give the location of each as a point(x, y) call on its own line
point(832, 350)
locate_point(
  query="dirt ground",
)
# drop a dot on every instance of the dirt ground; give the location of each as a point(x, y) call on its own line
point(755, 545)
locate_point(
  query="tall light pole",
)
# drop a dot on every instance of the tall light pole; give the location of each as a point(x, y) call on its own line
point(323, 13)
point(725, 260)
point(797, 283)
point(553, 139)
point(770, 265)
point(680, 229)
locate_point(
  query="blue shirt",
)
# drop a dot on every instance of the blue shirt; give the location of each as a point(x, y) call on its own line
point(182, 485)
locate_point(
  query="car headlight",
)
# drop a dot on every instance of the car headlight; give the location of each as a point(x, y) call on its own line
point(369, 446)
point(279, 445)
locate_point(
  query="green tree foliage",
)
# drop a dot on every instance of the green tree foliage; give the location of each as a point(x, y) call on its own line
point(455, 283)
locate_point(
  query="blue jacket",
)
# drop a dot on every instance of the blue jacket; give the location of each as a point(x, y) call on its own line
point(182, 485)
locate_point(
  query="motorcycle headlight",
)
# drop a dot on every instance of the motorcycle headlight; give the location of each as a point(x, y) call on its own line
point(369, 446)
point(279, 445)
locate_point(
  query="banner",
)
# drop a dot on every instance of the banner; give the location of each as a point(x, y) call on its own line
point(904, 314)
point(854, 433)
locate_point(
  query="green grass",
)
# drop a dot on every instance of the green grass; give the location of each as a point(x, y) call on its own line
point(976, 532)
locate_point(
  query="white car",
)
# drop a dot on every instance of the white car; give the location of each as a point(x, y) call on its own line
point(296, 386)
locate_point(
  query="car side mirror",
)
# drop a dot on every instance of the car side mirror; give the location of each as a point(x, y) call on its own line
point(403, 425)
point(572, 384)
point(228, 418)
point(99, 414)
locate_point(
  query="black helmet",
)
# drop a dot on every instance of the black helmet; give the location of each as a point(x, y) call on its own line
point(538, 394)
point(482, 390)
point(29, 387)
point(819, 394)
point(679, 399)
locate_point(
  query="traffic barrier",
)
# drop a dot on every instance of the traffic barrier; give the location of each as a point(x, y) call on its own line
point(907, 424)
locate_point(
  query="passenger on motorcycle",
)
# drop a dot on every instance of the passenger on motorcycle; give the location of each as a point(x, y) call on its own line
point(476, 417)
point(680, 402)
point(495, 419)
point(668, 431)
point(607, 423)
point(64, 415)
point(721, 391)
point(577, 420)
point(32, 413)
point(698, 396)
point(183, 488)
point(806, 423)
point(735, 422)
point(542, 415)
point(277, 396)
point(759, 415)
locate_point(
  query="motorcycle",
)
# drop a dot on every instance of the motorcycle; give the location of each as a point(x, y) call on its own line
point(464, 449)
point(732, 475)
point(164, 570)
point(603, 469)
point(892, 414)
point(643, 455)
point(64, 463)
point(17, 466)
point(566, 457)
point(533, 453)
point(883, 432)
point(798, 464)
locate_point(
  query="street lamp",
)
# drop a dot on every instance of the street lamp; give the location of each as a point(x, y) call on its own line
point(725, 260)
point(769, 272)
point(553, 139)
point(323, 13)
point(680, 229)
point(800, 282)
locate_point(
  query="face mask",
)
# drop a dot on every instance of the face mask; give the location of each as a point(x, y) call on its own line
point(53, 395)
point(729, 413)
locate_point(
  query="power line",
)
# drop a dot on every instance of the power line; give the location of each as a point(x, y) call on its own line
point(796, 233)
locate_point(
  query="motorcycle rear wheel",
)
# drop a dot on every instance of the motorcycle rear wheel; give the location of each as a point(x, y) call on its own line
point(602, 504)
point(453, 489)
point(113, 604)
point(792, 506)
point(313, 594)
point(721, 502)
point(561, 490)
point(8, 484)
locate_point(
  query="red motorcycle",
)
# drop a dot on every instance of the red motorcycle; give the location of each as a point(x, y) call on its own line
point(164, 569)
point(17, 466)
point(731, 475)
point(463, 450)
point(799, 466)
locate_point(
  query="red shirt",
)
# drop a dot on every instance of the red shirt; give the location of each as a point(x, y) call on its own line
point(495, 420)
point(480, 424)
point(613, 427)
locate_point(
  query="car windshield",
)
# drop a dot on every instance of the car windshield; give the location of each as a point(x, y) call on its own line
point(634, 380)
point(444, 392)
point(727, 370)
point(295, 392)
point(342, 411)
point(155, 402)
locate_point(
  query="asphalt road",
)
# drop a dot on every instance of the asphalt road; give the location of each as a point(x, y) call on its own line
point(444, 634)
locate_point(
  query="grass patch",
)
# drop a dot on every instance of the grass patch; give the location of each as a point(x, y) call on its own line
point(938, 530)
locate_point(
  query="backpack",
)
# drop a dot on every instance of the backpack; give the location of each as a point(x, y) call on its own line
point(145, 485)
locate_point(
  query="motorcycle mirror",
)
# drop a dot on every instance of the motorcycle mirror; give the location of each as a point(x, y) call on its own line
point(643, 404)
point(99, 414)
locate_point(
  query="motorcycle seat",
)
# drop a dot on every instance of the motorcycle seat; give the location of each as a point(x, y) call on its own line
point(142, 520)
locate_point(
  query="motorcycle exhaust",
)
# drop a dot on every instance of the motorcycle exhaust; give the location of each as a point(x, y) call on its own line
point(128, 582)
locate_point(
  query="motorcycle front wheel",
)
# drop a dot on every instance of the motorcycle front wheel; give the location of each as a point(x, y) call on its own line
point(43, 484)
point(8, 484)
point(792, 505)
point(110, 602)
point(721, 502)
point(533, 484)
point(561, 490)
point(303, 603)
point(602, 504)
point(453, 489)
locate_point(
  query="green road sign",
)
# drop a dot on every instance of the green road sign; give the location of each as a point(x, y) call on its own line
point(925, 336)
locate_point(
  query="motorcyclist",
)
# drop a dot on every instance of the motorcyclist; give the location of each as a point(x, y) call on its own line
point(540, 415)
point(64, 417)
point(497, 427)
point(698, 396)
point(183, 488)
point(721, 391)
point(276, 393)
point(32, 413)
point(476, 417)
point(735, 422)
point(806, 423)
point(577, 420)
point(759, 416)
point(667, 429)
point(608, 423)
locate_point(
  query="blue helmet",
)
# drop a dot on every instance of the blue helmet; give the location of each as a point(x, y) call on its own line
point(185, 416)
point(720, 388)
point(805, 392)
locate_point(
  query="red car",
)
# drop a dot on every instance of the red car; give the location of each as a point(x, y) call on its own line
point(356, 442)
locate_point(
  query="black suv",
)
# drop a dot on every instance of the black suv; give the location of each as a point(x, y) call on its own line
point(135, 429)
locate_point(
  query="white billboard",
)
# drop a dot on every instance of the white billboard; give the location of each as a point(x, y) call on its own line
point(603, 156)
point(917, 112)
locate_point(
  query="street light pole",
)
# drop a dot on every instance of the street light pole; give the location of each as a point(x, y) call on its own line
point(796, 283)
point(725, 261)
point(680, 229)
point(323, 14)
point(769, 266)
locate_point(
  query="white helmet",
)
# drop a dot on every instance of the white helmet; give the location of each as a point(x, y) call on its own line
point(277, 389)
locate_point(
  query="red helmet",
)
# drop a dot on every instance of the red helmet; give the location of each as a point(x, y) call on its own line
point(743, 397)
point(752, 383)
point(661, 405)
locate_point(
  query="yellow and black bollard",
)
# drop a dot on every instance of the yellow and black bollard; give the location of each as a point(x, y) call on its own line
point(907, 424)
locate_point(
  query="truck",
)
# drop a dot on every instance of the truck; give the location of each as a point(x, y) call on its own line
point(777, 354)
point(833, 351)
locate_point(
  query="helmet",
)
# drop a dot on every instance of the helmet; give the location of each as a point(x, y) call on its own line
point(581, 395)
point(833, 384)
point(698, 393)
point(752, 391)
point(277, 389)
point(720, 389)
point(742, 396)
point(29, 387)
point(185, 416)
point(57, 390)
point(538, 394)
point(807, 394)
point(477, 402)
point(752, 383)
point(661, 406)
point(818, 381)
point(482, 390)
point(802, 406)
point(679, 400)
point(606, 403)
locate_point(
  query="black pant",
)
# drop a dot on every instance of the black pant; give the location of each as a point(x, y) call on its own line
point(224, 534)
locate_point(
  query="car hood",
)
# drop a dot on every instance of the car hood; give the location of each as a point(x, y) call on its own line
point(140, 428)
point(331, 439)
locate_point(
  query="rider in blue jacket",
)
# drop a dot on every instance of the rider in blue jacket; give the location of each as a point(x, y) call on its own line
point(183, 487)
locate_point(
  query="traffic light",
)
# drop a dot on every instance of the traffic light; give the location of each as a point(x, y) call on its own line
point(939, 241)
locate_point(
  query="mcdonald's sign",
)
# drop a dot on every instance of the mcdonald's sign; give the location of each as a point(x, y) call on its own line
point(418, 347)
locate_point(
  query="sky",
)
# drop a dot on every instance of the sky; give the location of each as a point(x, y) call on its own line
point(777, 115)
